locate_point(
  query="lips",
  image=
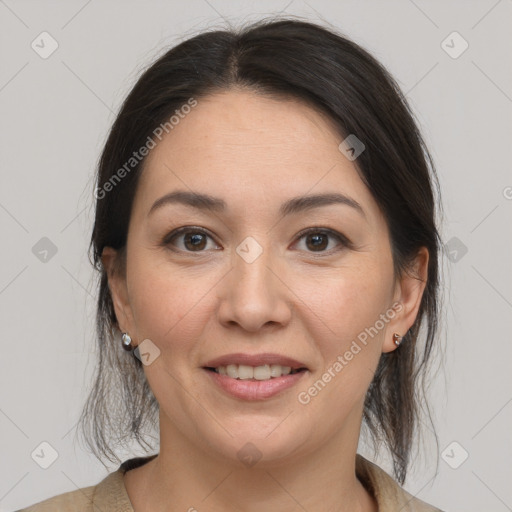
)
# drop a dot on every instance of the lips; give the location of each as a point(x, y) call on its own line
point(252, 389)
point(273, 374)
point(255, 360)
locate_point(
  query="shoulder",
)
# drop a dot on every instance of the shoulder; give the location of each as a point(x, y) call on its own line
point(79, 500)
point(388, 494)
point(109, 495)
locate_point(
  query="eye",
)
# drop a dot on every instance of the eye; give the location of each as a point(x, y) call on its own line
point(322, 240)
point(190, 239)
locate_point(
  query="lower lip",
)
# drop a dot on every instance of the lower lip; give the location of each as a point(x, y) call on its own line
point(255, 389)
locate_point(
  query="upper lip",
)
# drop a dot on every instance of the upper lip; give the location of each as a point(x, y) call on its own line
point(254, 360)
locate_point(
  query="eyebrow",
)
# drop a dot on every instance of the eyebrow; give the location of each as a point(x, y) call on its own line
point(289, 207)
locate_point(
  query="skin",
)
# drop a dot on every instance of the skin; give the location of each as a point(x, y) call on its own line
point(255, 153)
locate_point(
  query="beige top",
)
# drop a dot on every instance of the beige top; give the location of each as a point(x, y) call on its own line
point(110, 494)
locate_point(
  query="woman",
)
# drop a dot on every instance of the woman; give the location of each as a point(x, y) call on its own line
point(266, 239)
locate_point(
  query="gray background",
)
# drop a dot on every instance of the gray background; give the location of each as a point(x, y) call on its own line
point(55, 116)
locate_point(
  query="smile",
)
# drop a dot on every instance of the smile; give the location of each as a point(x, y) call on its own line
point(250, 388)
point(246, 372)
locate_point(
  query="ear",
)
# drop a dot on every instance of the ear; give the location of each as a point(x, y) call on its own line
point(408, 292)
point(116, 273)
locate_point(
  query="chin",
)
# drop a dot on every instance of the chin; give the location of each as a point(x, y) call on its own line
point(263, 441)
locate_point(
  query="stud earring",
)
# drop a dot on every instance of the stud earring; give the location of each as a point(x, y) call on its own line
point(126, 341)
point(397, 338)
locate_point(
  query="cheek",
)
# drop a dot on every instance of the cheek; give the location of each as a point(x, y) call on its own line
point(345, 311)
point(343, 317)
point(344, 303)
point(169, 307)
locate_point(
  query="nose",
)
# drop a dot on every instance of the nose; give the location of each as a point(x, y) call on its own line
point(254, 296)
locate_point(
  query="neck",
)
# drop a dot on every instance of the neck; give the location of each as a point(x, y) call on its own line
point(193, 480)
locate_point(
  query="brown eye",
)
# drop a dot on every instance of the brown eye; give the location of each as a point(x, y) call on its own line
point(189, 240)
point(323, 240)
point(317, 242)
point(195, 241)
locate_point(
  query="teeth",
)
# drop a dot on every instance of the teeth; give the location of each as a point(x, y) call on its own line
point(232, 371)
point(262, 372)
point(245, 372)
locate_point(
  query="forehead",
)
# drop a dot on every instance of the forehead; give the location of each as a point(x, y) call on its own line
point(256, 145)
point(260, 123)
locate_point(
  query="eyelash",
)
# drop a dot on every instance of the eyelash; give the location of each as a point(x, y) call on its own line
point(342, 240)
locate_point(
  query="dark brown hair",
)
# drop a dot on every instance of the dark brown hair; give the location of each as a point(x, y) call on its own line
point(292, 59)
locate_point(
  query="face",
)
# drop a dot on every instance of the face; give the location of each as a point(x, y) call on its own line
point(286, 263)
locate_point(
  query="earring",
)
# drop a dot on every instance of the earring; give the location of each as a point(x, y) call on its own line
point(126, 341)
point(397, 338)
